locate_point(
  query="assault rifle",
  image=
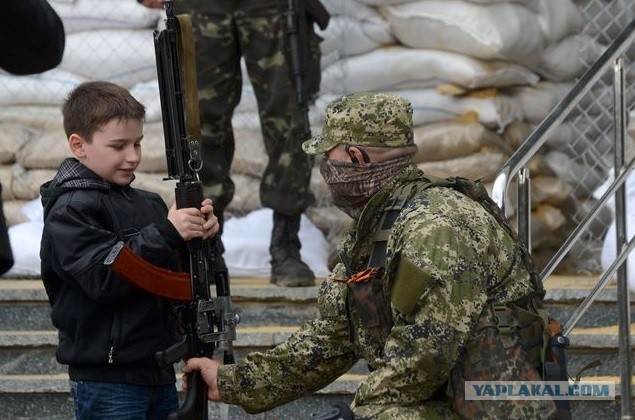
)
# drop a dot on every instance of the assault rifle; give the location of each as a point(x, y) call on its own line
point(299, 14)
point(208, 322)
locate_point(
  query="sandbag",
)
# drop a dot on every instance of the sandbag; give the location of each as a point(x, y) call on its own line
point(125, 56)
point(48, 88)
point(569, 58)
point(559, 18)
point(451, 139)
point(492, 109)
point(247, 196)
point(25, 184)
point(83, 15)
point(156, 183)
point(247, 239)
point(46, 150)
point(41, 117)
point(482, 165)
point(12, 138)
point(250, 157)
point(503, 31)
point(350, 35)
point(407, 68)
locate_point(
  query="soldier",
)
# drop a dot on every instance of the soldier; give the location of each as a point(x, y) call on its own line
point(255, 30)
point(432, 291)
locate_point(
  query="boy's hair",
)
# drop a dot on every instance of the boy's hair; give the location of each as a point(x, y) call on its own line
point(93, 104)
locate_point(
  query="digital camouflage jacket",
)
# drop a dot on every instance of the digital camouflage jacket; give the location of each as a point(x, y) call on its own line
point(455, 261)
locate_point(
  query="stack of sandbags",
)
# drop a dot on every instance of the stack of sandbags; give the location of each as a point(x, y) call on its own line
point(481, 74)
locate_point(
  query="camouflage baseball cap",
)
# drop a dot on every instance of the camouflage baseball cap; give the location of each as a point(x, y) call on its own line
point(365, 119)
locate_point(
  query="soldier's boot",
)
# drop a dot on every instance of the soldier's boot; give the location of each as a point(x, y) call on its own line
point(287, 268)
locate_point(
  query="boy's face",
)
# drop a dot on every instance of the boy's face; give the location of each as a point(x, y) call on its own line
point(114, 152)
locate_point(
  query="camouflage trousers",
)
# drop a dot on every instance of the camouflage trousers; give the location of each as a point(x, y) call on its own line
point(225, 31)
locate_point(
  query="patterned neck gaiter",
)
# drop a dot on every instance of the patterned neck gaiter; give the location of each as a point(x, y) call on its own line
point(353, 184)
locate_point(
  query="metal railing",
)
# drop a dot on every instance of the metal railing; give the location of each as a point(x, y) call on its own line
point(517, 166)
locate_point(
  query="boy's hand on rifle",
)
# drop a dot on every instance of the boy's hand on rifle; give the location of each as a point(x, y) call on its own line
point(208, 368)
point(194, 223)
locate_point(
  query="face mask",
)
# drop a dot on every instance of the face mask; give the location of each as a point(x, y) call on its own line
point(353, 184)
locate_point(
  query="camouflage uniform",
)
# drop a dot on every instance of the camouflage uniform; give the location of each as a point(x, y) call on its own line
point(447, 262)
point(225, 31)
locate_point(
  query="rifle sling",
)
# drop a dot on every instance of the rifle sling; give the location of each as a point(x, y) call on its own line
point(144, 275)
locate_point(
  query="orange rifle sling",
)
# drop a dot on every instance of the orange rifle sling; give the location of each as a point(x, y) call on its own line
point(144, 275)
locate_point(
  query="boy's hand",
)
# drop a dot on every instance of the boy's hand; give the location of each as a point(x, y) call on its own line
point(209, 369)
point(194, 223)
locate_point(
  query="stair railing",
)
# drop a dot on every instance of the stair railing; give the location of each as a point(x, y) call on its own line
point(517, 166)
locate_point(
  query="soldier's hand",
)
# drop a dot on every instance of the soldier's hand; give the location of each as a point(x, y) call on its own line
point(208, 368)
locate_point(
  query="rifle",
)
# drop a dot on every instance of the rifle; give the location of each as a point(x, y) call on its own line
point(208, 322)
point(299, 14)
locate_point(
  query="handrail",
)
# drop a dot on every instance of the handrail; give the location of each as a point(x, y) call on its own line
point(516, 166)
point(539, 136)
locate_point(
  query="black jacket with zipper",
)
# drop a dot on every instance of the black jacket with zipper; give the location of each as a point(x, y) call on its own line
point(109, 331)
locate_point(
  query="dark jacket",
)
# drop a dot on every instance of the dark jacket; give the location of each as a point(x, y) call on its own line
point(31, 37)
point(108, 330)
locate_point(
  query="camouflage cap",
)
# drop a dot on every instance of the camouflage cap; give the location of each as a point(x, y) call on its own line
point(365, 119)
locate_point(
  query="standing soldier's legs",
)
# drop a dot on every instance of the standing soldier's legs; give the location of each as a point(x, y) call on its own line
point(285, 182)
point(219, 81)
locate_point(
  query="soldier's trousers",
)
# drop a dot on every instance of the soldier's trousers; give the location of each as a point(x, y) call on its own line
point(225, 31)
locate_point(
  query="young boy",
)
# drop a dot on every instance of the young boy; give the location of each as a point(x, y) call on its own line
point(109, 331)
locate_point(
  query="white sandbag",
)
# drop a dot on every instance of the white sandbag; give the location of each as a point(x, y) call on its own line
point(489, 107)
point(148, 94)
point(407, 68)
point(549, 189)
point(246, 196)
point(573, 172)
point(609, 246)
point(351, 36)
point(13, 212)
point(533, 5)
point(504, 31)
point(25, 244)
point(559, 18)
point(451, 139)
point(569, 58)
point(153, 149)
point(351, 8)
point(82, 15)
point(250, 157)
point(42, 117)
point(45, 151)
point(247, 239)
point(6, 177)
point(48, 88)
point(157, 183)
point(12, 138)
point(320, 189)
point(25, 184)
point(537, 101)
point(124, 56)
point(478, 165)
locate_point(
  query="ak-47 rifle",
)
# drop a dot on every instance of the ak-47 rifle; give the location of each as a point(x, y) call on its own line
point(208, 323)
point(300, 14)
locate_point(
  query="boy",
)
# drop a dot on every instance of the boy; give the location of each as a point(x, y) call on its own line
point(109, 331)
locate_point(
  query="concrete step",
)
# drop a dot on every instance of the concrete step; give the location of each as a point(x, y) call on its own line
point(47, 397)
point(24, 305)
point(32, 352)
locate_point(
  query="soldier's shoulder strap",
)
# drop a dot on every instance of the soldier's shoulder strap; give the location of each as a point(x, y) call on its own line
point(473, 189)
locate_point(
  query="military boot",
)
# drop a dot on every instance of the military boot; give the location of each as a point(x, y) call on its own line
point(287, 269)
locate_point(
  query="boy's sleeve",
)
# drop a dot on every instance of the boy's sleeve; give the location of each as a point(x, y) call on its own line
point(314, 356)
point(80, 245)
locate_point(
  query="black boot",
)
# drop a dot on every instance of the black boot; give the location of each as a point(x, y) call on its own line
point(287, 269)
